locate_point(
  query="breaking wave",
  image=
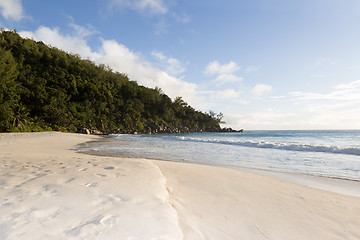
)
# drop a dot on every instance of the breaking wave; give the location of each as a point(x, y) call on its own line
point(289, 146)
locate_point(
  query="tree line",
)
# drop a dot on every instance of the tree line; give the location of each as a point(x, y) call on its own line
point(43, 88)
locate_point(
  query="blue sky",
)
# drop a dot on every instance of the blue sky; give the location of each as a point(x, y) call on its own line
point(279, 64)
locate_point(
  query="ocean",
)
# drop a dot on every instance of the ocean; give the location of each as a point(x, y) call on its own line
point(332, 153)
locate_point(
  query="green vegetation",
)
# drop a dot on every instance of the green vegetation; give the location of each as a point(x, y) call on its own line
point(44, 88)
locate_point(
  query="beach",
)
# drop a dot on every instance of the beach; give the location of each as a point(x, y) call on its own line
point(49, 191)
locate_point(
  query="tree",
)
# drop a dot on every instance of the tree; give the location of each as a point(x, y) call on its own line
point(219, 118)
point(8, 95)
point(20, 121)
point(43, 88)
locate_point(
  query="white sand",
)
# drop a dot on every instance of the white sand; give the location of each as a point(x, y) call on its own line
point(50, 192)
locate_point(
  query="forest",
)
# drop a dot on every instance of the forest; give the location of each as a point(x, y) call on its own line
point(43, 88)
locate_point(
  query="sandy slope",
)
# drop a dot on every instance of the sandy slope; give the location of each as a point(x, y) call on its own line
point(50, 192)
point(218, 203)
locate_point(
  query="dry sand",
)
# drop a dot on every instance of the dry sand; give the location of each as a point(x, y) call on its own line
point(48, 191)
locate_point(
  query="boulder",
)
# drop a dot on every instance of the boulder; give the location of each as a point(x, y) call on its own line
point(84, 131)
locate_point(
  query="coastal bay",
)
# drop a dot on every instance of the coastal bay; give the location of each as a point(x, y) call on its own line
point(47, 190)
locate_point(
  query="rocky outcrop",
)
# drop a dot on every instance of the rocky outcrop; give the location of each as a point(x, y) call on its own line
point(228, 130)
point(158, 129)
point(89, 131)
point(152, 128)
point(84, 131)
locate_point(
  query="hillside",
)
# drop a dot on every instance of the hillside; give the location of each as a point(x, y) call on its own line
point(44, 88)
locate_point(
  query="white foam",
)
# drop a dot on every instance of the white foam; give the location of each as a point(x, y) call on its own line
point(290, 146)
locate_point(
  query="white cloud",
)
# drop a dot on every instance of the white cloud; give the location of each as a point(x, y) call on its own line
point(11, 9)
point(261, 89)
point(224, 73)
point(225, 94)
point(266, 119)
point(158, 56)
point(226, 78)
point(330, 115)
point(216, 68)
point(316, 116)
point(152, 6)
point(83, 31)
point(349, 86)
point(335, 109)
point(175, 67)
point(120, 59)
point(170, 65)
point(343, 92)
point(75, 44)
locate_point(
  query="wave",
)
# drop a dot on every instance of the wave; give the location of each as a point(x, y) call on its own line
point(289, 146)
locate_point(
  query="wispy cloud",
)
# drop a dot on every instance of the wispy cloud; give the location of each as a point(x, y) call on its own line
point(327, 61)
point(121, 59)
point(337, 108)
point(161, 27)
point(251, 69)
point(265, 119)
point(83, 31)
point(224, 72)
point(349, 86)
point(148, 6)
point(170, 65)
point(162, 15)
point(183, 18)
point(216, 68)
point(261, 89)
point(345, 92)
point(11, 9)
point(225, 94)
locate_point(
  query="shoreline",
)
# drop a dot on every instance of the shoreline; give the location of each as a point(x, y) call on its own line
point(349, 187)
point(49, 190)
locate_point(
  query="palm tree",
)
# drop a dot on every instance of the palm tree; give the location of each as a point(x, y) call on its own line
point(20, 115)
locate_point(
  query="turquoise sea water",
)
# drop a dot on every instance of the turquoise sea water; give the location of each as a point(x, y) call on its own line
point(334, 153)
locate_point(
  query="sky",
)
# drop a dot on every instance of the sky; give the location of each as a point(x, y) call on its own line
point(265, 64)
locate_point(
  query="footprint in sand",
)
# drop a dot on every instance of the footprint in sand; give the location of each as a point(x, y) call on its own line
point(118, 198)
point(101, 175)
point(92, 185)
point(8, 204)
point(82, 169)
point(70, 180)
point(49, 190)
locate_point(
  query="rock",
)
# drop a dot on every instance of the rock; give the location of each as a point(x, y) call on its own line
point(96, 132)
point(84, 131)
